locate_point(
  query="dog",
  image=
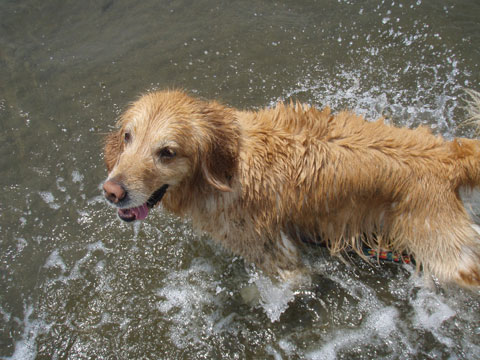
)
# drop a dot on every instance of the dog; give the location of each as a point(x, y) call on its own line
point(261, 182)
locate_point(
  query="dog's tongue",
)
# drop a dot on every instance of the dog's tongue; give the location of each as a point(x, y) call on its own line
point(141, 212)
point(136, 213)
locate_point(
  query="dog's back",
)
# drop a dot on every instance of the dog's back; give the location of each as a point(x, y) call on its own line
point(347, 181)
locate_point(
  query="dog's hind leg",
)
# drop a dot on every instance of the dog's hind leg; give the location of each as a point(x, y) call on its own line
point(451, 252)
point(469, 265)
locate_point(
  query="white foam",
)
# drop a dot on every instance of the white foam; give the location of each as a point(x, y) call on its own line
point(26, 347)
point(288, 348)
point(273, 352)
point(6, 316)
point(59, 186)
point(380, 323)
point(77, 177)
point(184, 299)
point(274, 296)
point(21, 244)
point(55, 261)
point(84, 217)
point(431, 311)
point(98, 245)
point(48, 197)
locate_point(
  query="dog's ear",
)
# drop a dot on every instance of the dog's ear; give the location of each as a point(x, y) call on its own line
point(212, 172)
point(219, 160)
point(113, 148)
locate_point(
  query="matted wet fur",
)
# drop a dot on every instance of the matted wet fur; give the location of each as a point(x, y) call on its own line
point(260, 181)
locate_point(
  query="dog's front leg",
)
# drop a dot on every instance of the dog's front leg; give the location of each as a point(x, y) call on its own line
point(280, 258)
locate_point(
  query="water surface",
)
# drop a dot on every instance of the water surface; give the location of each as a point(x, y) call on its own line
point(76, 283)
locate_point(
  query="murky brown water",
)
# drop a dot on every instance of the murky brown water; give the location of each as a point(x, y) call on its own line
point(76, 283)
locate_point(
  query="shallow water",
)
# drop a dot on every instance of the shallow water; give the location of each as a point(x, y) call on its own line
point(76, 283)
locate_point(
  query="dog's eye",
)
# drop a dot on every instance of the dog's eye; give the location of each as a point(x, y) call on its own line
point(166, 153)
point(127, 137)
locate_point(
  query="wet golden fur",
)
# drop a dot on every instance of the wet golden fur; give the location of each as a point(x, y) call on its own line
point(260, 182)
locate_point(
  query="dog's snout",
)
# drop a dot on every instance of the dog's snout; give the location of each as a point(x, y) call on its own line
point(114, 191)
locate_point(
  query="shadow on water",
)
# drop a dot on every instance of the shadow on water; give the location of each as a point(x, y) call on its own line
point(76, 283)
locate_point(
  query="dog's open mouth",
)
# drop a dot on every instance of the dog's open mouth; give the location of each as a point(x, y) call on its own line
point(141, 212)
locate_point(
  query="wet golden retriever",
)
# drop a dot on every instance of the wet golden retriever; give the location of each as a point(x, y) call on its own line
point(260, 182)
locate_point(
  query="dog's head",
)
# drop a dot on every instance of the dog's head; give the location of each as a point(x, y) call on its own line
point(168, 142)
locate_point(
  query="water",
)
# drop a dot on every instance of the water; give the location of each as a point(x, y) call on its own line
point(76, 283)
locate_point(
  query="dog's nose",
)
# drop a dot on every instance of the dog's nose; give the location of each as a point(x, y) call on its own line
point(114, 191)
